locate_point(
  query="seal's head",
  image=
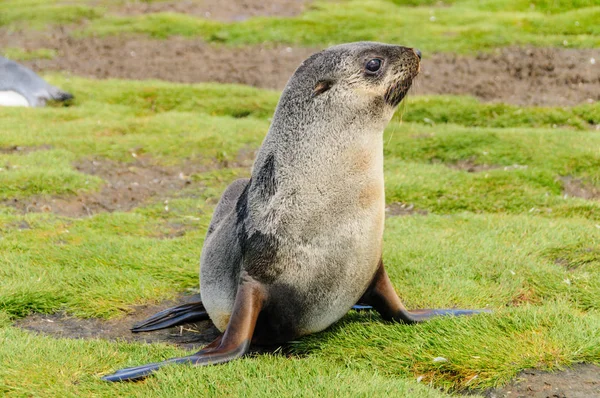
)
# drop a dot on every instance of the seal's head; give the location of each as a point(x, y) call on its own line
point(353, 79)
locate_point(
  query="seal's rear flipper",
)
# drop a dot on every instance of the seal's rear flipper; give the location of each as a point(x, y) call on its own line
point(56, 94)
point(382, 296)
point(231, 345)
point(179, 315)
point(60, 95)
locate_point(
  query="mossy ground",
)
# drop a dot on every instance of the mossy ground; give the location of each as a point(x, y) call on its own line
point(505, 237)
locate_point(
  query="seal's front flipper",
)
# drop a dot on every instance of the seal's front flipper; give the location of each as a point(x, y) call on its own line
point(382, 296)
point(231, 345)
point(179, 315)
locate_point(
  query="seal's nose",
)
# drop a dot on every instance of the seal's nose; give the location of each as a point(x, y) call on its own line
point(417, 52)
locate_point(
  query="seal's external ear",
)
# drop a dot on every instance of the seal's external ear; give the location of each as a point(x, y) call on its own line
point(322, 86)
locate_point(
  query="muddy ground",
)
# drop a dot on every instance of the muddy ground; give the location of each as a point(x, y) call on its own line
point(524, 76)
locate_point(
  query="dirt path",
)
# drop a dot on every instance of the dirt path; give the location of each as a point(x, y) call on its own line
point(525, 76)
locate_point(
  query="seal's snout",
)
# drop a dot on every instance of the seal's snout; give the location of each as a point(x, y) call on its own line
point(417, 52)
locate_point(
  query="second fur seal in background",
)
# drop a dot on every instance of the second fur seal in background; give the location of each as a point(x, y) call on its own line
point(290, 250)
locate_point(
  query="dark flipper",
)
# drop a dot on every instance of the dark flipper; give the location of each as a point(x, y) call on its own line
point(206, 356)
point(382, 296)
point(179, 315)
point(59, 95)
point(231, 345)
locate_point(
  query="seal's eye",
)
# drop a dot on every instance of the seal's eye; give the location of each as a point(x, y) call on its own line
point(373, 65)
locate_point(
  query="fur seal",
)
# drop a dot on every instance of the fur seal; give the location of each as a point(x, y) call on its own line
point(20, 86)
point(292, 249)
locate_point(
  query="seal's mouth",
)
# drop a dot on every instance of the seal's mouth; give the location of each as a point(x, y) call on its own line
point(396, 92)
point(406, 70)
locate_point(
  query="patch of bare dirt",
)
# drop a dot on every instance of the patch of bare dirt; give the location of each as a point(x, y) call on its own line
point(581, 381)
point(189, 336)
point(402, 209)
point(24, 149)
point(470, 166)
point(174, 59)
point(572, 260)
point(127, 186)
point(577, 188)
point(526, 76)
point(222, 10)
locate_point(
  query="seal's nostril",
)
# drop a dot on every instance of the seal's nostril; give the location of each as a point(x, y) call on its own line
point(417, 52)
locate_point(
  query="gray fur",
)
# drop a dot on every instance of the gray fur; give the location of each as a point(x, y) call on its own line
point(17, 78)
point(309, 223)
point(221, 256)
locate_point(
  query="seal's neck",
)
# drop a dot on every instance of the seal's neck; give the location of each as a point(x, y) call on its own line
point(306, 131)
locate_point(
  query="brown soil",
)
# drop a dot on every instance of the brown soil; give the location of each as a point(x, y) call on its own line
point(402, 209)
point(577, 188)
point(581, 381)
point(174, 59)
point(61, 325)
point(24, 149)
point(230, 10)
point(529, 76)
point(127, 186)
point(470, 166)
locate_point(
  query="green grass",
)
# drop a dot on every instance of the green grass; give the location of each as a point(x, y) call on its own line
point(39, 173)
point(262, 376)
point(18, 54)
point(463, 27)
point(504, 238)
point(459, 26)
point(38, 14)
point(468, 111)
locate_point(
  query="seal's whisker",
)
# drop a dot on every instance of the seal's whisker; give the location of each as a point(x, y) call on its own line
point(392, 134)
